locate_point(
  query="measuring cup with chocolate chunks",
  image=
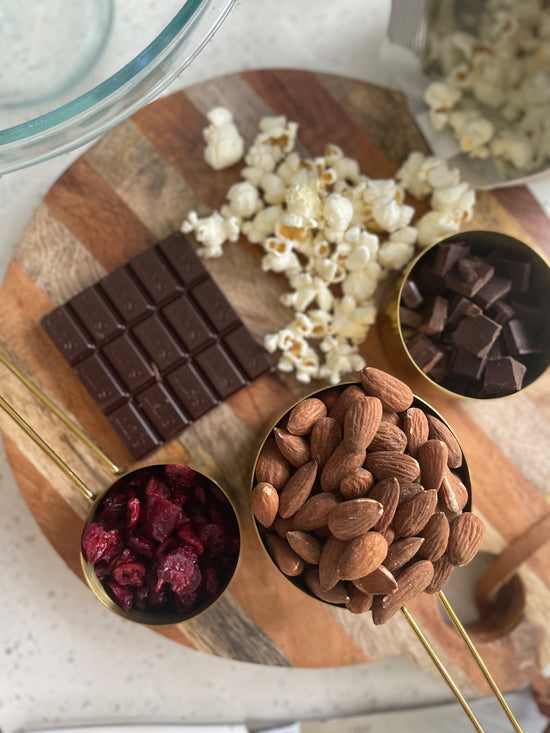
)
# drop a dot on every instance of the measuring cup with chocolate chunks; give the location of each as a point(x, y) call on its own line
point(473, 314)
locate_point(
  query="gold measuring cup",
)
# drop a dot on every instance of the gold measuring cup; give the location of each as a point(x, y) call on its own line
point(155, 617)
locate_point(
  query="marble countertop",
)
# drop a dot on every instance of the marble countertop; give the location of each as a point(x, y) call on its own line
point(64, 659)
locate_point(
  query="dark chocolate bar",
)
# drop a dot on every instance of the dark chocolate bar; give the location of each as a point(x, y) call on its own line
point(156, 343)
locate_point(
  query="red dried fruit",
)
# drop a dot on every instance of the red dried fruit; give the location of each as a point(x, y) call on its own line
point(177, 568)
point(129, 573)
point(132, 512)
point(210, 580)
point(123, 595)
point(184, 591)
point(190, 537)
point(141, 545)
point(155, 487)
point(101, 544)
point(113, 506)
point(179, 476)
point(160, 516)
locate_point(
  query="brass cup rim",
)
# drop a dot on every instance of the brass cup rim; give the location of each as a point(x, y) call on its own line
point(152, 618)
point(489, 239)
point(463, 472)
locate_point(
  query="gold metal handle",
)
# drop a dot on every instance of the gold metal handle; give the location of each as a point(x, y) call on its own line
point(76, 429)
point(48, 450)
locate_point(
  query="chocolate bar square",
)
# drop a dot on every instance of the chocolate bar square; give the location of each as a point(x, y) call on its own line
point(156, 343)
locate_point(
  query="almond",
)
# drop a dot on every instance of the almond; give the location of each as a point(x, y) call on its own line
point(314, 513)
point(284, 556)
point(353, 518)
point(338, 465)
point(389, 535)
point(292, 447)
point(408, 490)
point(411, 582)
point(361, 422)
point(391, 417)
point(452, 493)
point(264, 502)
point(271, 466)
point(329, 562)
point(436, 537)
point(356, 483)
point(305, 545)
point(394, 394)
point(432, 459)
point(385, 464)
point(401, 551)
point(303, 416)
point(442, 572)
point(329, 396)
point(282, 526)
point(416, 428)
point(347, 396)
point(465, 538)
point(412, 514)
point(388, 437)
point(387, 493)
point(440, 431)
point(297, 489)
point(338, 594)
point(362, 555)
point(359, 602)
point(380, 581)
point(325, 436)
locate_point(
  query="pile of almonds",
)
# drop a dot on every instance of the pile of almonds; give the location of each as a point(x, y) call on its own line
point(358, 498)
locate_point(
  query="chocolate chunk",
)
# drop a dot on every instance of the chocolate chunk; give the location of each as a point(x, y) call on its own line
point(448, 255)
point(424, 352)
point(503, 376)
point(410, 318)
point(520, 337)
point(460, 307)
point(468, 276)
point(411, 295)
point(496, 288)
point(501, 312)
point(156, 344)
point(435, 316)
point(466, 365)
point(518, 271)
point(476, 334)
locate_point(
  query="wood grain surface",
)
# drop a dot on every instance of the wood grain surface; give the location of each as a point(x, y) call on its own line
point(135, 186)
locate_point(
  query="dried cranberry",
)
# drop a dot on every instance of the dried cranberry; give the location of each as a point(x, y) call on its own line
point(101, 544)
point(129, 573)
point(179, 476)
point(155, 487)
point(210, 580)
point(186, 590)
point(123, 595)
point(132, 512)
point(190, 537)
point(141, 545)
point(113, 506)
point(160, 517)
point(178, 567)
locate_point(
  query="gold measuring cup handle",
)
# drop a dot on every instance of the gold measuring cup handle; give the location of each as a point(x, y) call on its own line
point(48, 450)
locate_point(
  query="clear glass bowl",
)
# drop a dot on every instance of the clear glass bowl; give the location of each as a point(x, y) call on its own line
point(138, 50)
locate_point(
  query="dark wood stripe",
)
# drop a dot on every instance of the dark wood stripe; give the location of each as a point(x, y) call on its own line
point(528, 212)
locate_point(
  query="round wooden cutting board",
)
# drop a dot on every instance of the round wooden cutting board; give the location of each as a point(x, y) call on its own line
point(134, 187)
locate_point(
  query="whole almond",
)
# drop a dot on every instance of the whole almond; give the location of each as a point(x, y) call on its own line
point(416, 429)
point(394, 394)
point(432, 459)
point(329, 396)
point(380, 581)
point(442, 572)
point(362, 555)
point(338, 465)
point(401, 551)
point(410, 583)
point(385, 464)
point(356, 483)
point(284, 556)
point(388, 437)
point(359, 602)
point(413, 514)
point(347, 396)
point(303, 416)
point(305, 545)
point(338, 594)
point(282, 526)
point(361, 422)
point(436, 537)
point(391, 417)
point(271, 466)
point(465, 538)
point(353, 518)
point(453, 494)
point(297, 489)
point(314, 513)
point(408, 490)
point(264, 502)
point(325, 436)
point(439, 431)
point(329, 562)
point(294, 448)
point(387, 493)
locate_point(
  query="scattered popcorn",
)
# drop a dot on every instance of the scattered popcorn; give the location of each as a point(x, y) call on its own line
point(334, 233)
point(495, 87)
point(224, 144)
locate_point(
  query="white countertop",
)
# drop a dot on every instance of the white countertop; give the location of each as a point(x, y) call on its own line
point(64, 658)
